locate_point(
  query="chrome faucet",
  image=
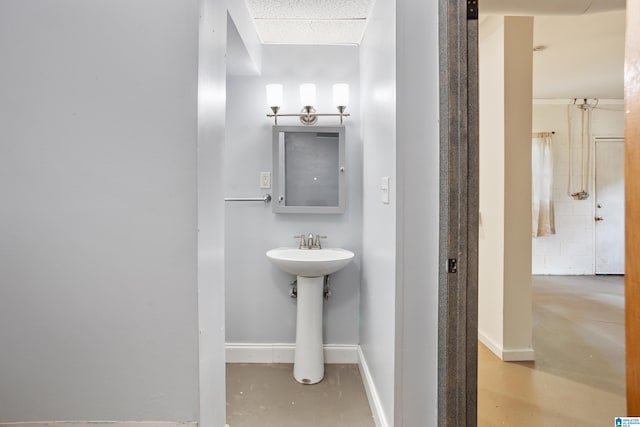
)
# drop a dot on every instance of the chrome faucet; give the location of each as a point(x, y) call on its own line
point(309, 242)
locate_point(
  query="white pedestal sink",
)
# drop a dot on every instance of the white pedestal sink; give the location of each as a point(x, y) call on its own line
point(310, 265)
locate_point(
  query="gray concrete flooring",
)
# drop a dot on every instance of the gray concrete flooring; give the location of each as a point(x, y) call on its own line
point(267, 395)
point(578, 376)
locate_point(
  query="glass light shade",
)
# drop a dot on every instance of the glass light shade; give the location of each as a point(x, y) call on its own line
point(308, 94)
point(274, 95)
point(340, 94)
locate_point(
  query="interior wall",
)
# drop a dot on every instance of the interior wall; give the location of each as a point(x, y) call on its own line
point(244, 28)
point(211, 101)
point(517, 187)
point(98, 300)
point(504, 276)
point(377, 294)
point(258, 306)
point(418, 208)
point(492, 177)
point(571, 249)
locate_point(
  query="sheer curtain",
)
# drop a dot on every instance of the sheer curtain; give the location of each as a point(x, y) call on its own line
point(543, 215)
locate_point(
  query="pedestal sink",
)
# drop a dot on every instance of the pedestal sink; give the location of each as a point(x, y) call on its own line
point(310, 265)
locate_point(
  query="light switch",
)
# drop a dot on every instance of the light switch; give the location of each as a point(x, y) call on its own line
point(384, 190)
point(265, 179)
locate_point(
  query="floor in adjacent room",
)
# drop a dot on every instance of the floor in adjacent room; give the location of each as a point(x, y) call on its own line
point(577, 379)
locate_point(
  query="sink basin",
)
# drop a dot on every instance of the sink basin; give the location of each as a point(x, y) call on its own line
point(310, 262)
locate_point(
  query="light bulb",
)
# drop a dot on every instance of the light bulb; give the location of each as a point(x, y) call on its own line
point(308, 94)
point(340, 94)
point(274, 95)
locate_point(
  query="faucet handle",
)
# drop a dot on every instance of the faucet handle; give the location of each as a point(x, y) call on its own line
point(317, 243)
point(303, 240)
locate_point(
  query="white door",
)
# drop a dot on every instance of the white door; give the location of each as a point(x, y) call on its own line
point(609, 211)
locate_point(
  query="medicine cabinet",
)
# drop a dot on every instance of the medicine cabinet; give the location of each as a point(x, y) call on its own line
point(308, 165)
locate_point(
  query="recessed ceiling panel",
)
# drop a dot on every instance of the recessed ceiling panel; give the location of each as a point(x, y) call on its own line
point(309, 9)
point(311, 32)
point(310, 21)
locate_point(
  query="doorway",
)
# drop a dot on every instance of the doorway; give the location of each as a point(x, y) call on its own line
point(552, 117)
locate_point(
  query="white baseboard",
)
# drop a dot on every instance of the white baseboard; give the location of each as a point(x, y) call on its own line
point(490, 344)
point(100, 424)
point(284, 353)
point(507, 354)
point(519, 355)
point(372, 394)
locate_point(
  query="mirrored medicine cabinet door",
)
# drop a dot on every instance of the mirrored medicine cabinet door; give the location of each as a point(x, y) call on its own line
point(309, 173)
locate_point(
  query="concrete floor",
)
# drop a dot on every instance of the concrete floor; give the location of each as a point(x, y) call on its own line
point(577, 378)
point(267, 395)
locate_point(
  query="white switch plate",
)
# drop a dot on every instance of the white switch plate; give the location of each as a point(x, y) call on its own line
point(384, 190)
point(265, 179)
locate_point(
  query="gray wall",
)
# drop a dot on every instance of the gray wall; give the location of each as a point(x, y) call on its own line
point(378, 291)
point(98, 292)
point(417, 151)
point(210, 204)
point(399, 297)
point(258, 307)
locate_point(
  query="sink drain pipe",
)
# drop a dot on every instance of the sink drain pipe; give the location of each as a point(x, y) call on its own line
point(293, 288)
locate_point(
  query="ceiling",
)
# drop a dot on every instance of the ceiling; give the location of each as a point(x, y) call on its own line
point(583, 45)
point(549, 7)
point(583, 58)
point(583, 40)
point(344, 21)
point(310, 21)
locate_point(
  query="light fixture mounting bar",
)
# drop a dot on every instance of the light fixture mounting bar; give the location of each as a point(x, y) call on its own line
point(314, 114)
point(304, 116)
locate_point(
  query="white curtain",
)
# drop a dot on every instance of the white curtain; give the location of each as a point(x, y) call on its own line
point(543, 215)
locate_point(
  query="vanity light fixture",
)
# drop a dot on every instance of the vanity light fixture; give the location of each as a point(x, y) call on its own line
point(274, 98)
point(308, 114)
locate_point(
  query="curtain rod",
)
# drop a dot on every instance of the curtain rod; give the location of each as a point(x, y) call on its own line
point(538, 134)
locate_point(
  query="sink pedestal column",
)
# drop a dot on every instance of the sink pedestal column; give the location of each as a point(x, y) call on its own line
point(308, 367)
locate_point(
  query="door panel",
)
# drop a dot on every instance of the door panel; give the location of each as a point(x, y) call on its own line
point(609, 212)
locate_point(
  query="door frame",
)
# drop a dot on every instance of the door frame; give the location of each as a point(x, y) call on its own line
point(632, 207)
point(459, 190)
